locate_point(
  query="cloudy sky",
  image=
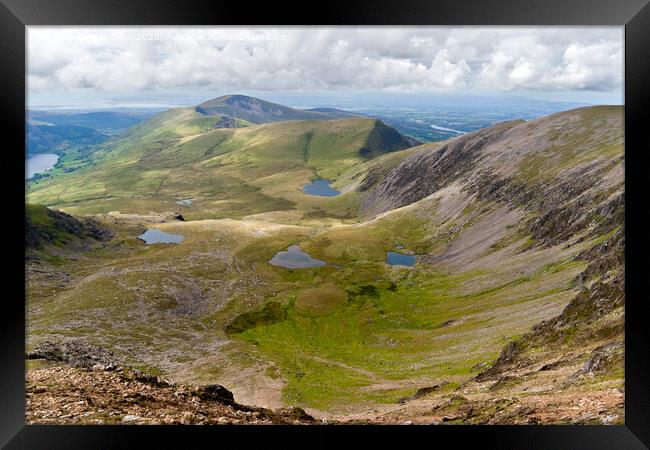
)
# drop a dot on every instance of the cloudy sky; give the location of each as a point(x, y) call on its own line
point(82, 66)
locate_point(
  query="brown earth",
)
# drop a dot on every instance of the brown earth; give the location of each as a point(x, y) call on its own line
point(58, 393)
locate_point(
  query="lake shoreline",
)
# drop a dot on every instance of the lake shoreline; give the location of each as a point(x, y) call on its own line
point(40, 163)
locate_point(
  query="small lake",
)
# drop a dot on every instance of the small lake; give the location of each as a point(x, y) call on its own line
point(187, 202)
point(320, 187)
point(40, 163)
point(155, 236)
point(400, 259)
point(294, 258)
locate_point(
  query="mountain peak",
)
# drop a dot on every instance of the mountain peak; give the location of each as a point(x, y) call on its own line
point(232, 98)
point(256, 110)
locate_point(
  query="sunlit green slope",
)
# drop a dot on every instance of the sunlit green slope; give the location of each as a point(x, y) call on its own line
point(179, 154)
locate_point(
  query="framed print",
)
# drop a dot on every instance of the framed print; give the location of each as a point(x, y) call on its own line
point(421, 217)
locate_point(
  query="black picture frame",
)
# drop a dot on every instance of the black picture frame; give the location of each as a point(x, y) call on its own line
point(15, 15)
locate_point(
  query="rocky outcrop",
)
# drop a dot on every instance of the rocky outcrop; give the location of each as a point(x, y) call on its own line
point(560, 210)
point(58, 393)
point(75, 368)
point(507, 359)
point(423, 392)
point(77, 353)
point(580, 321)
point(45, 226)
point(215, 392)
point(604, 357)
point(384, 139)
point(226, 122)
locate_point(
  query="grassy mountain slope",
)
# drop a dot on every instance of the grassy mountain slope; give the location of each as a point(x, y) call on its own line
point(67, 132)
point(228, 172)
point(554, 148)
point(106, 121)
point(58, 138)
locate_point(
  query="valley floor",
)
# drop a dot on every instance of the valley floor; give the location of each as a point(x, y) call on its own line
point(513, 312)
point(400, 331)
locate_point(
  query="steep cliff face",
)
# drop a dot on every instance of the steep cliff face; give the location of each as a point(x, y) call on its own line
point(384, 139)
point(594, 316)
point(429, 171)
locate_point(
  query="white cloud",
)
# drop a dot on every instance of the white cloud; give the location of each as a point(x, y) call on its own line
point(324, 58)
point(448, 74)
point(589, 66)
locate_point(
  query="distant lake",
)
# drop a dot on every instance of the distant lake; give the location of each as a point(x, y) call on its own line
point(399, 259)
point(294, 258)
point(436, 127)
point(155, 236)
point(187, 202)
point(320, 187)
point(40, 163)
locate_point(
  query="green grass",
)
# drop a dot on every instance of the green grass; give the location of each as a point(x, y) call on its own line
point(230, 172)
point(424, 328)
point(320, 301)
point(357, 243)
point(272, 312)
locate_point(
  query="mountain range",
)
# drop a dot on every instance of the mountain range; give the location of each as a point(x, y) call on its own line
point(513, 312)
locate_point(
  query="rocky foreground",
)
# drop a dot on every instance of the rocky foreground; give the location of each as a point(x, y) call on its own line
point(58, 393)
point(74, 383)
